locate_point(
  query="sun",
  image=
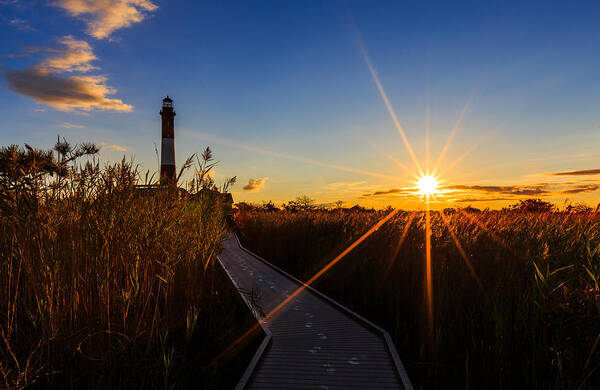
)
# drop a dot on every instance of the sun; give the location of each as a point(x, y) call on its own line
point(427, 185)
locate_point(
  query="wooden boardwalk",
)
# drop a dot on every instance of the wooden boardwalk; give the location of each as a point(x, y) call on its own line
point(312, 342)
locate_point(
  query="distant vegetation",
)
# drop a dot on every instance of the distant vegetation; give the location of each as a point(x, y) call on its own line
point(108, 285)
point(531, 321)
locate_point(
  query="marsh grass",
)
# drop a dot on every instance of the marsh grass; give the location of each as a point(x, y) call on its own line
point(532, 323)
point(103, 286)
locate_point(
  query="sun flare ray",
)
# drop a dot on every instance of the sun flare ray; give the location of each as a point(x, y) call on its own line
point(316, 276)
point(386, 100)
point(470, 150)
point(429, 275)
point(451, 136)
point(495, 237)
point(409, 222)
point(398, 163)
point(266, 152)
point(459, 159)
point(462, 252)
point(427, 129)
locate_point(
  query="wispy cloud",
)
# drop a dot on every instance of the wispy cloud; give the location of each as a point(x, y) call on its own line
point(477, 193)
point(29, 50)
point(481, 199)
point(44, 84)
point(582, 188)
point(391, 191)
point(114, 147)
point(69, 125)
point(582, 172)
point(255, 184)
point(530, 190)
point(344, 184)
point(73, 56)
point(20, 24)
point(540, 189)
point(103, 17)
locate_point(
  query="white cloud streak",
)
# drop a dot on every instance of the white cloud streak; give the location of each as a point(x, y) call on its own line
point(113, 147)
point(103, 17)
point(69, 125)
point(20, 24)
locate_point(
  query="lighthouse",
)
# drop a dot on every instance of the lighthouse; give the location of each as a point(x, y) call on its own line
point(167, 148)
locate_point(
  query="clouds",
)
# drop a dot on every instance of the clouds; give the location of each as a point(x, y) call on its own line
point(45, 84)
point(488, 193)
point(69, 125)
point(73, 56)
point(20, 24)
point(482, 199)
point(578, 173)
point(103, 17)
point(46, 81)
point(542, 189)
point(72, 93)
point(582, 188)
point(113, 147)
point(391, 191)
point(529, 190)
point(255, 184)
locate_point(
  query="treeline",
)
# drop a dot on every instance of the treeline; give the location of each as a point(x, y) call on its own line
point(304, 203)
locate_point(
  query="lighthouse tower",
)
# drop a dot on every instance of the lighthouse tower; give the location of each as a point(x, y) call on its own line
point(167, 149)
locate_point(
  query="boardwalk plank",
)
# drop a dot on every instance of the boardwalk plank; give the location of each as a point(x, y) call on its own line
point(315, 344)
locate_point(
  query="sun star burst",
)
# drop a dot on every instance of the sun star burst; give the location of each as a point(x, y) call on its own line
point(427, 185)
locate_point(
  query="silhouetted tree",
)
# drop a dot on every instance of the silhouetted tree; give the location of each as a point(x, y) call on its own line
point(269, 206)
point(301, 203)
point(470, 209)
point(579, 208)
point(532, 206)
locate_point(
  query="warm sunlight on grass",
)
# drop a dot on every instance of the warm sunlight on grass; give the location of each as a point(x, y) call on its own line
point(427, 185)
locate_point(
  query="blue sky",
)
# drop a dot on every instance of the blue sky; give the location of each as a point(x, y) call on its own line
point(271, 85)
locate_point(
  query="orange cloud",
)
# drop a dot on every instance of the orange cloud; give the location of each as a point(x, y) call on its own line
point(530, 190)
point(582, 188)
point(69, 125)
point(578, 173)
point(255, 184)
point(115, 147)
point(43, 83)
point(391, 191)
point(103, 17)
point(72, 93)
point(74, 56)
point(493, 192)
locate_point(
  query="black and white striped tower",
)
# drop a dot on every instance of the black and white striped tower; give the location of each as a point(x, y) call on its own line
point(167, 149)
